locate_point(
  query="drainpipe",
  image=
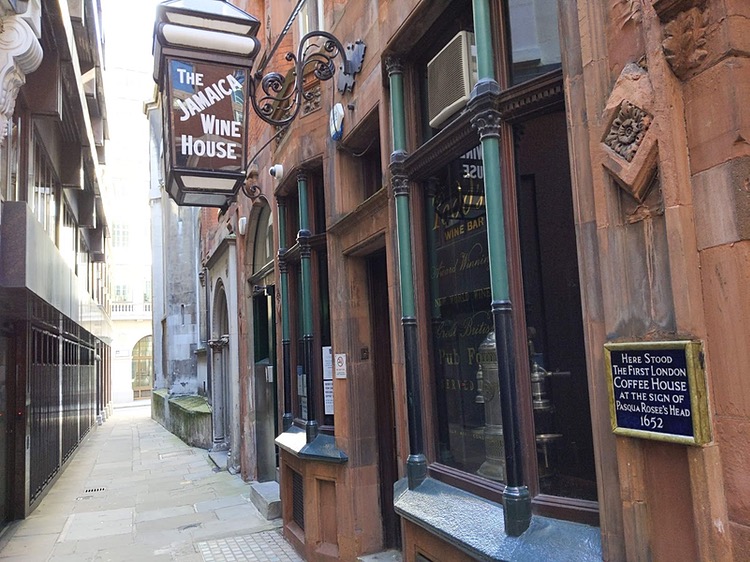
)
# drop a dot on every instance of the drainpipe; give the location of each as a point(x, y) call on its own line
point(416, 464)
point(209, 356)
point(303, 238)
point(286, 341)
point(487, 120)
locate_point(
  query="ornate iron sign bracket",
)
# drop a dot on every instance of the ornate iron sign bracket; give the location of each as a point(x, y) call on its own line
point(277, 100)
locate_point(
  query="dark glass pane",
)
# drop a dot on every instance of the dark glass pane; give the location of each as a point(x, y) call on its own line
point(556, 353)
point(263, 248)
point(535, 43)
point(460, 305)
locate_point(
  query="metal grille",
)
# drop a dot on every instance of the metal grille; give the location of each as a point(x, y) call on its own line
point(298, 500)
point(70, 398)
point(61, 393)
point(44, 409)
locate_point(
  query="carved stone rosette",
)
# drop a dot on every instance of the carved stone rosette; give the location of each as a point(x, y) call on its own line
point(629, 143)
point(20, 54)
point(627, 130)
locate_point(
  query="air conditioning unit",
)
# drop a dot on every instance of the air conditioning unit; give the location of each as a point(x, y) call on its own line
point(451, 75)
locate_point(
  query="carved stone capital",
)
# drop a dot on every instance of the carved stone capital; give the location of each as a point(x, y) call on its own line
point(219, 343)
point(399, 177)
point(20, 54)
point(487, 123)
point(303, 239)
point(400, 185)
point(394, 65)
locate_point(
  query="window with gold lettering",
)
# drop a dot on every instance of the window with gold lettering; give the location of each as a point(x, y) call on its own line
point(545, 340)
point(460, 307)
point(551, 363)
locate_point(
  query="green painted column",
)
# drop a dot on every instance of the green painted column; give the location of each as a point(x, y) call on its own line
point(416, 464)
point(303, 238)
point(487, 120)
point(286, 342)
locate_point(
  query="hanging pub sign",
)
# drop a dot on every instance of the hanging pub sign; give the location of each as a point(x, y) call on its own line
point(205, 111)
point(657, 390)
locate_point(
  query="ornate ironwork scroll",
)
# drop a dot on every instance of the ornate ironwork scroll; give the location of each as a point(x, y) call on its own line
point(277, 101)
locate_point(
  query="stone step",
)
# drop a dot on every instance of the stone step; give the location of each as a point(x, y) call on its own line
point(266, 498)
point(219, 458)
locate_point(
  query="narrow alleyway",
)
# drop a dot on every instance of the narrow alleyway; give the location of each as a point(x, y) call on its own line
point(134, 491)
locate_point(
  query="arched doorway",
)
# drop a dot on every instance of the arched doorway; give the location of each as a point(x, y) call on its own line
point(220, 383)
point(263, 345)
point(142, 366)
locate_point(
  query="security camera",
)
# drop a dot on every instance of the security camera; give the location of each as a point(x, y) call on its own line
point(276, 171)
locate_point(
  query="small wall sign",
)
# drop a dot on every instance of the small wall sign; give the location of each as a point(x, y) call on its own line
point(657, 390)
point(340, 365)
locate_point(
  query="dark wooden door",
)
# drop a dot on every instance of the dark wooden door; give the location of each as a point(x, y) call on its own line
point(381, 362)
point(266, 384)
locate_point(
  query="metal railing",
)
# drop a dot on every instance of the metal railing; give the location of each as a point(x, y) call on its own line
point(131, 309)
point(62, 402)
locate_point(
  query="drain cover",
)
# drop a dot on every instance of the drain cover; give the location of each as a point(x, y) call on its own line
point(92, 490)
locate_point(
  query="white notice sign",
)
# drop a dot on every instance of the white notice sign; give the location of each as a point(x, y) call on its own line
point(328, 397)
point(341, 365)
point(328, 379)
point(327, 363)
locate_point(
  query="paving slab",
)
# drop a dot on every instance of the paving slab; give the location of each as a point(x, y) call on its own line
point(30, 547)
point(164, 513)
point(95, 524)
point(268, 546)
point(134, 491)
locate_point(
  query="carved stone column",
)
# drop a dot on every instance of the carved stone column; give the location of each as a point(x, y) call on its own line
point(219, 393)
point(20, 54)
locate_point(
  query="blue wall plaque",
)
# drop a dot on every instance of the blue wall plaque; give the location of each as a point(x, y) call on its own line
point(657, 391)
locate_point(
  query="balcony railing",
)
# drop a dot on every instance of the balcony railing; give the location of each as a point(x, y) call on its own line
point(131, 310)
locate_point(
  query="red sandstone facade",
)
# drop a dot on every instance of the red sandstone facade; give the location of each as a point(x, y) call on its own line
point(662, 240)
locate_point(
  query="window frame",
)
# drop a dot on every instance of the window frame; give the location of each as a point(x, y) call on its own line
point(321, 327)
point(432, 148)
point(120, 235)
point(303, 18)
point(43, 171)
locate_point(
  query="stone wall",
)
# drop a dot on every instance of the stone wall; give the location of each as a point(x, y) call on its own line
point(188, 417)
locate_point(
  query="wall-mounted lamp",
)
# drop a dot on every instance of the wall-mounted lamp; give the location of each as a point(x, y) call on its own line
point(204, 51)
